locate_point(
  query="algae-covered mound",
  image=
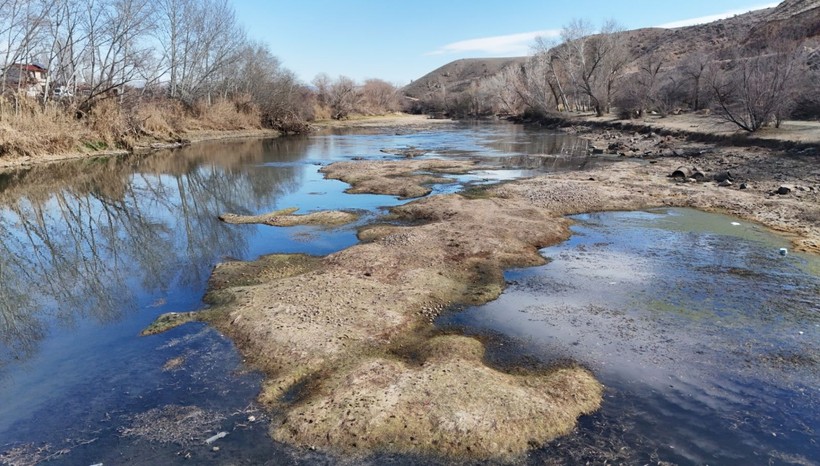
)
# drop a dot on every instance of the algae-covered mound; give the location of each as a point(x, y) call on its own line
point(332, 335)
point(451, 405)
point(287, 218)
point(406, 179)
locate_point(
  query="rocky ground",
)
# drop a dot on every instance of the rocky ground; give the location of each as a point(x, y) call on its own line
point(352, 362)
point(777, 187)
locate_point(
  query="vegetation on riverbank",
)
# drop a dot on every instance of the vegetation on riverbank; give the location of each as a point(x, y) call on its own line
point(158, 73)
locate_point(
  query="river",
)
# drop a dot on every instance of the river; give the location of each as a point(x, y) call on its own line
point(94, 250)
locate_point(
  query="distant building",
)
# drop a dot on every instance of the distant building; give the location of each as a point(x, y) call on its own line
point(29, 78)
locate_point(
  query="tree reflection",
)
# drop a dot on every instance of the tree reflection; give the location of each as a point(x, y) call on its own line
point(96, 239)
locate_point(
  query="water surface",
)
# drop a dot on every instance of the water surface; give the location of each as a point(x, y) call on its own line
point(92, 251)
point(707, 339)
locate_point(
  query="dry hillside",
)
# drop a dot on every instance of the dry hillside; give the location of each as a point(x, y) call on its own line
point(457, 76)
point(796, 19)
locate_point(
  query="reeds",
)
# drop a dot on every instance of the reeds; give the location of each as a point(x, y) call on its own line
point(32, 128)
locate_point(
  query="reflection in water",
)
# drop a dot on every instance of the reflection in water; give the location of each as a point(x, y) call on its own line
point(707, 340)
point(93, 250)
point(78, 237)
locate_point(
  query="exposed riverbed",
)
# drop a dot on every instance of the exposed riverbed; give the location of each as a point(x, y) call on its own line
point(94, 250)
point(116, 243)
point(707, 339)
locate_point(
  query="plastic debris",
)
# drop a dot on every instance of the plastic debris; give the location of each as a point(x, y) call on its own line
point(783, 251)
point(216, 437)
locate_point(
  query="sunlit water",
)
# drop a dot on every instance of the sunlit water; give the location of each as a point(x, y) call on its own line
point(707, 339)
point(93, 251)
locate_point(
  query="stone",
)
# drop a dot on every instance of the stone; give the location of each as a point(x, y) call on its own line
point(723, 176)
point(783, 190)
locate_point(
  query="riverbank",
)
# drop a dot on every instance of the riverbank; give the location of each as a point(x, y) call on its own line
point(392, 121)
point(353, 364)
point(772, 177)
point(12, 162)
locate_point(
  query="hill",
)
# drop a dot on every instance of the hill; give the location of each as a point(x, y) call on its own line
point(791, 19)
point(457, 76)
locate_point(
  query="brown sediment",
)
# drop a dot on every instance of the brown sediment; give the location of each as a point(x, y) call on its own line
point(345, 341)
point(406, 179)
point(286, 218)
point(329, 334)
point(168, 321)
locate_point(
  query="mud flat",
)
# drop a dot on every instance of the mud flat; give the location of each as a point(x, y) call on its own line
point(287, 218)
point(352, 362)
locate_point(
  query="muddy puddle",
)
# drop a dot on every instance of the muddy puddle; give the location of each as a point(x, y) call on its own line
point(93, 251)
point(706, 337)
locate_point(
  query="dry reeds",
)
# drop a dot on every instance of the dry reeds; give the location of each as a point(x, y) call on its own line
point(225, 114)
point(28, 128)
point(31, 128)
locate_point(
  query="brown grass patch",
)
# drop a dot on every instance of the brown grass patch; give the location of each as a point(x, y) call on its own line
point(29, 129)
point(286, 218)
point(224, 114)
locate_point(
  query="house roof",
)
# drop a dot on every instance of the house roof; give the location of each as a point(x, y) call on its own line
point(28, 67)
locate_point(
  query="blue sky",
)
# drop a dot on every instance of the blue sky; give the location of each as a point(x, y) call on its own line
point(402, 40)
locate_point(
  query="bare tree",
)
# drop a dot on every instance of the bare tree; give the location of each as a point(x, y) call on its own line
point(202, 41)
point(505, 89)
point(536, 89)
point(20, 21)
point(379, 96)
point(259, 76)
point(754, 91)
point(594, 63)
point(694, 67)
point(344, 97)
point(322, 83)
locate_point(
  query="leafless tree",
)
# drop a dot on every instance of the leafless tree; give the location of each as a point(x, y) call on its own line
point(20, 21)
point(694, 67)
point(379, 96)
point(756, 90)
point(322, 83)
point(536, 88)
point(344, 97)
point(594, 63)
point(505, 89)
point(202, 41)
point(277, 93)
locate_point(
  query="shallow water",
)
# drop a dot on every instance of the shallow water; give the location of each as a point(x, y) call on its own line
point(707, 339)
point(93, 251)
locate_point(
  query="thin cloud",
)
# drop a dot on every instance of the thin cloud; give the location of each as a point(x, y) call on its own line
point(511, 44)
point(710, 18)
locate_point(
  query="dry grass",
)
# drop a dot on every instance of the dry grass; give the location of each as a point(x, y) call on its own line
point(331, 338)
point(163, 119)
point(227, 115)
point(182, 425)
point(451, 405)
point(28, 129)
point(286, 218)
point(111, 125)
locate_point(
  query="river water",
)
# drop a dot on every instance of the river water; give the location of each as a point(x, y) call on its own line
point(92, 251)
